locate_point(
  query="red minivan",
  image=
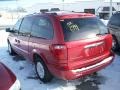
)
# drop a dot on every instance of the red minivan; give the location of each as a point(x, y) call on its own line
point(63, 44)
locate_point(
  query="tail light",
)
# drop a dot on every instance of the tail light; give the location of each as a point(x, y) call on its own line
point(59, 51)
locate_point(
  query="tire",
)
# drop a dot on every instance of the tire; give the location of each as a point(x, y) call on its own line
point(10, 50)
point(42, 71)
point(95, 73)
point(115, 45)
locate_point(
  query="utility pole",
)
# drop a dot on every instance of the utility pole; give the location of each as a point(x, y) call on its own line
point(110, 14)
point(17, 8)
point(63, 4)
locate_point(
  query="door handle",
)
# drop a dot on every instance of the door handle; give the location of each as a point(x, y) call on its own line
point(18, 41)
point(15, 40)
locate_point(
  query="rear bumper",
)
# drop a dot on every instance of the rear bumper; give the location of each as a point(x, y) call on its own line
point(77, 73)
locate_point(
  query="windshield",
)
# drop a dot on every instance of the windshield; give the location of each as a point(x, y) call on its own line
point(82, 28)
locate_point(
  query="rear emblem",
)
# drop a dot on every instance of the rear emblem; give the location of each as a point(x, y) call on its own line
point(94, 49)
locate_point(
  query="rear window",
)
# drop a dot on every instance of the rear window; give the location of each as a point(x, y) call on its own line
point(82, 28)
point(115, 20)
point(108, 9)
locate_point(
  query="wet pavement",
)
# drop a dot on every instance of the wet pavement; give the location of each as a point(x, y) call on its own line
point(91, 82)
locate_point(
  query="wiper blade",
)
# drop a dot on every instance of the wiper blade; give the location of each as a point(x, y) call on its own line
point(102, 33)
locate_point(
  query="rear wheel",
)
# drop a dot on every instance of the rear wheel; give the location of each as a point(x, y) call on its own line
point(115, 45)
point(42, 71)
point(10, 50)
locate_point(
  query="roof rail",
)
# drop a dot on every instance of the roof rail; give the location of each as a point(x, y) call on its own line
point(51, 13)
point(44, 10)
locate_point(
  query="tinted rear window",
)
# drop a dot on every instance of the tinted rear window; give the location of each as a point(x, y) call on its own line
point(82, 28)
point(115, 20)
point(108, 9)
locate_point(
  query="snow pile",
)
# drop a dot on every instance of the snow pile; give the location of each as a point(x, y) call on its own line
point(105, 21)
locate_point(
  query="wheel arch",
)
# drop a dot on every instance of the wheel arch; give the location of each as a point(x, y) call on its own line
point(115, 38)
point(40, 56)
point(48, 76)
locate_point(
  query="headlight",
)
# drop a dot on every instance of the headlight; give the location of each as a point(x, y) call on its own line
point(15, 86)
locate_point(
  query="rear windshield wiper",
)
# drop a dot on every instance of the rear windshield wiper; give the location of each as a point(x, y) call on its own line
point(102, 33)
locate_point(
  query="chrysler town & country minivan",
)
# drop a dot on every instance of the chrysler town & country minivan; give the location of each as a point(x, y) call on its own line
point(63, 44)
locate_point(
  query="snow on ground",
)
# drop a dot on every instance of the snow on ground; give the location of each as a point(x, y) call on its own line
point(106, 79)
point(5, 21)
point(104, 21)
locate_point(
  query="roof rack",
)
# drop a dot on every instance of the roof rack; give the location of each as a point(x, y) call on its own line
point(44, 10)
point(58, 12)
point(54, 9)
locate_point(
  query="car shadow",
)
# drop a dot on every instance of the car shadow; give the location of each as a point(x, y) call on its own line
point(91, 82)
point(18, 58)
point(117, 53)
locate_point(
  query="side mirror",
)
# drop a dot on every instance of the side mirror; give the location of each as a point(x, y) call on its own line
point(9, 30)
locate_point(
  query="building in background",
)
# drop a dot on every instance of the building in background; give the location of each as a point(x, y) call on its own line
point(97, 7)
point(94, 6)
point(78, 6)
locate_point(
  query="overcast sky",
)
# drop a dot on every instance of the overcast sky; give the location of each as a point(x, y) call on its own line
point(27, 3)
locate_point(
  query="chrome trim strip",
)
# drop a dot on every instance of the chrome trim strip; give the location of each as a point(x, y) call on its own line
point(93, 66)
point(93, 45)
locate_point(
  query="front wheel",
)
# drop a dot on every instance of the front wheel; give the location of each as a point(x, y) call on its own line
point(10, 50)
point(42, 71)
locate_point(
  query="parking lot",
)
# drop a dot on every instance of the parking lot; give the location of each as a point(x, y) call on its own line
point(106, 79)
